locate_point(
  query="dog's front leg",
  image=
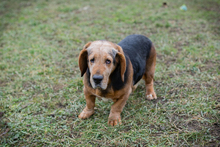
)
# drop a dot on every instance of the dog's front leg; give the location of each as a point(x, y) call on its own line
point(90, 104)
point(116, 109)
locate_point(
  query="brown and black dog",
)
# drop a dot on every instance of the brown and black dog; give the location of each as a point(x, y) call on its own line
point(112, 71)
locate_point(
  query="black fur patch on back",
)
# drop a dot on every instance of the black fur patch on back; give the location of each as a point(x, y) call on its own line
point(137, 48)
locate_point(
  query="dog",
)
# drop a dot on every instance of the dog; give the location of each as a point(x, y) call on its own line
point(113, 70)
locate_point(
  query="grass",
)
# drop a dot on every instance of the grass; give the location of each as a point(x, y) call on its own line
point(41, 88)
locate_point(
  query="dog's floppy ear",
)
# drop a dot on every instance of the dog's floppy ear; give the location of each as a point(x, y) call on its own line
point(122, 61)
point(83, 55)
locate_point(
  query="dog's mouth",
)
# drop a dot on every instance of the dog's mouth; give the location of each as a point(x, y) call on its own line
point(99, 86)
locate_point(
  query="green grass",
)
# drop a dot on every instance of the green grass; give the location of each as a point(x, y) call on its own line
point(41, 88)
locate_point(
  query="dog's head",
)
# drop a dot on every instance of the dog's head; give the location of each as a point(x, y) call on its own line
point(101, 57)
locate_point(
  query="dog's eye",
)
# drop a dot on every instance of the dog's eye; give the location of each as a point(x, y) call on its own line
point(107, 61)
point(92, 60)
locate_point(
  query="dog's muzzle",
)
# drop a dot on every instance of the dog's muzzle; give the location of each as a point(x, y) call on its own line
point(97, 80)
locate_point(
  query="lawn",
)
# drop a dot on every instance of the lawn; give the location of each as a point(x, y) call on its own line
point(41, 92)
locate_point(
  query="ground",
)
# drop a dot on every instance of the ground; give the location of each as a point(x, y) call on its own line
point(41, 88)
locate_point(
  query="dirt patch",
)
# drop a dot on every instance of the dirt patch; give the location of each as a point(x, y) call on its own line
point(60, 105)
point(58, 87)
point(177, 116)
point(177, 30)
point(1, 114)
point(178, 45)
point(210, 65)
point(61, 65)
point(159, 56)
point(4, 128)
point(170, 61)
point(177, 73)
point(212, 6)
point(28, 84)
point(45, 105)
point(194, 125)
point(37, 113)
point(161, 100)
point(215, 130)
point(3, 83)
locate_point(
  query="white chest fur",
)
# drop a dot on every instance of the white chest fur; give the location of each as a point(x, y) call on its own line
point(103, 99)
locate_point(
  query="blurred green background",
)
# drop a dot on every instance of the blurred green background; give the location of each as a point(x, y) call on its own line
point(41, 88)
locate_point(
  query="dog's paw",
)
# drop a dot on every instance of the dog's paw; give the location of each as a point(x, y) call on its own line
point(86, 114)
point(113, 120)
point(151, 96)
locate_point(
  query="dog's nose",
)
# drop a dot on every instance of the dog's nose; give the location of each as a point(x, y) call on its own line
point(97, 79)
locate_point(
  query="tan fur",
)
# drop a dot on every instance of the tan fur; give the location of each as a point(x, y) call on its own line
point(149, 75)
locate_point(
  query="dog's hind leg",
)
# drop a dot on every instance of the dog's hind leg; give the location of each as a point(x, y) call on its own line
point(149, 75)
point(135, 86)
